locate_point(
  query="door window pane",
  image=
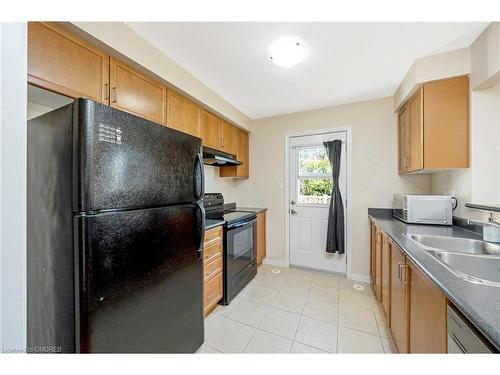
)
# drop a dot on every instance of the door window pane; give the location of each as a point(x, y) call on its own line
point(314, 191)
point(314, 180)
point(313, 161)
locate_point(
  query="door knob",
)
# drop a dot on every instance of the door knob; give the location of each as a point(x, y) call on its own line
point(292, 202)
point(293, 212)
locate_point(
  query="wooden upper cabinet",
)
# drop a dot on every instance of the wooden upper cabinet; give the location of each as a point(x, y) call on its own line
point(446, 121)
point(404, 140)
point(433, 127)
point(136, 93)
point(211, 130)
point(183, 114)
point(243, 155)
point(386, 276)
point(427, 314)
point(229, 138)
point(400, 294)
point(415, 108)
point(59, 61)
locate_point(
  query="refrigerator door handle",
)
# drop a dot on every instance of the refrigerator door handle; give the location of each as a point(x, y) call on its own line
point(199, 177)
point(202, 229)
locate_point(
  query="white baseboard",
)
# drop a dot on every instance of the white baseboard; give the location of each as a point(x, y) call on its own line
point(361, 278)
point(273, 262)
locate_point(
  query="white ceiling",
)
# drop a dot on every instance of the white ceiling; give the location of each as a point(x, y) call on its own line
point(346, 61)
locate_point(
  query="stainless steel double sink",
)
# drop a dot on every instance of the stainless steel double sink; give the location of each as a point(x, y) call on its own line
point(472, 260)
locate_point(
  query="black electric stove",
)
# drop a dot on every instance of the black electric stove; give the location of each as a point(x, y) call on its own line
point(216, 209)
point(240, 243)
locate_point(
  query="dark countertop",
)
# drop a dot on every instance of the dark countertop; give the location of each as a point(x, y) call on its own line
point(211, 223)
point(255, 210)
point(479, 303)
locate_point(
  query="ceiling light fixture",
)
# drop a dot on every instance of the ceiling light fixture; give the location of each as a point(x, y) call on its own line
point(287, 52)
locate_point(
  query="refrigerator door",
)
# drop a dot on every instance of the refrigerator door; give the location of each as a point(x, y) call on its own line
point(139, 288)
point(123, 161)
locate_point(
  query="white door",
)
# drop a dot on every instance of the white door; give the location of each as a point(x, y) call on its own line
point(310, 188)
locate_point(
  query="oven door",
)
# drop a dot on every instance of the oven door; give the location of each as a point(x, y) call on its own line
point(240, 257)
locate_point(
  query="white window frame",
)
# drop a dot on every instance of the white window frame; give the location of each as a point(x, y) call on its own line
point(318, 176)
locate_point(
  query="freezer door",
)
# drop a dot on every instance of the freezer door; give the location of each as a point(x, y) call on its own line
point(139, 281)
point(124, 161)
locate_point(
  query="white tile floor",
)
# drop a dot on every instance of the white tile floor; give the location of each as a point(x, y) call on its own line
point(298, 311)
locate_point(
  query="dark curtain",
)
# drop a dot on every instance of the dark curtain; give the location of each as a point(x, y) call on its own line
point(336, 231)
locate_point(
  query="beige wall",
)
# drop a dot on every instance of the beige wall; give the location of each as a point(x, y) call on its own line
point(374, 169)
point(485, 58)
point(431, 68)
point(481, 182)
point(216, 184)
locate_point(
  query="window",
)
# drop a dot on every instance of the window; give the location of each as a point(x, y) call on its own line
point(314, 180)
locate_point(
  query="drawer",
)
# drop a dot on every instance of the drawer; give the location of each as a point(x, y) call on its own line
point(212, 268)
point(213, 235)
point(212, 251)
point(212, 293)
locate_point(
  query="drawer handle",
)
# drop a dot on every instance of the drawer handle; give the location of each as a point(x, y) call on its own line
point(114, 94)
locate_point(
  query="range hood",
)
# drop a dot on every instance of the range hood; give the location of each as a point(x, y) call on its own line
point(218, 158)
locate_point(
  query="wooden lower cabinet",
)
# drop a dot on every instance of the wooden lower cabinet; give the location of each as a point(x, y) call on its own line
point(261, 237)
point(377, 285)
point(386, 276)
point(414, 306)
point(427, 314)
point(400, 294)
point(212, 268)
point(373, 243)
point(212, 293)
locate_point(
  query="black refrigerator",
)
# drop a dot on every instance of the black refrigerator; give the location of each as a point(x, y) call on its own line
point(115, 234)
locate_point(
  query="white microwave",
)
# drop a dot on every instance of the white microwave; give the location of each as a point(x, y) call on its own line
point(423, 209)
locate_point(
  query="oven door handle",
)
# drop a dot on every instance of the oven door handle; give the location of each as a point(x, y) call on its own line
point(241, 224)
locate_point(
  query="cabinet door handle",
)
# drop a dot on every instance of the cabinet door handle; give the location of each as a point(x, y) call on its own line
point(106, 91)
point(114, 94)
point(404, 275)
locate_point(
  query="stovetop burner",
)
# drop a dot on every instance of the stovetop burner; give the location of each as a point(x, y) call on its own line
point(216, 209)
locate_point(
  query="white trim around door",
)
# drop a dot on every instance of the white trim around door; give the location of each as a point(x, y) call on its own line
point(348, 198)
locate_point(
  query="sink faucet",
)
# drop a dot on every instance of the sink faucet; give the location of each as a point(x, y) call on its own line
point(491, 228)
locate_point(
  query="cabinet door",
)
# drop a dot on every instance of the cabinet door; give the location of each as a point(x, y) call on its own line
point(446, 121)
point(211, 131)
point(427, 314)
point(136, 93)
point(373, 242)
point(416, 151)
point(378, 265)
point(399, 299)
point(242, 155)
point(63, 63)
point(404, 140)
point(386, 276)
point(229, 138)
point(261, 237)
point(183, 114)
